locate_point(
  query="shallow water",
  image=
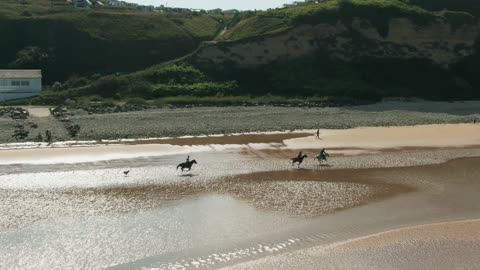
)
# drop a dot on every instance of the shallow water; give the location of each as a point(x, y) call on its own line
point(89, 216)
point(97, 241)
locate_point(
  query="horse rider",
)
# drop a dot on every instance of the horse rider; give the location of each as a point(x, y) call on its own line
point(300, 154)
point(188, 159)
point(323, 154)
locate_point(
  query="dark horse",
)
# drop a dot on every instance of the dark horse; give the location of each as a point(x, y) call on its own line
point(187, 165)
point(298, 159)
point(321, 157)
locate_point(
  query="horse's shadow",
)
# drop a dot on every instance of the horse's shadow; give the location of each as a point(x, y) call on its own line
point(188, 175)
point(324, 165)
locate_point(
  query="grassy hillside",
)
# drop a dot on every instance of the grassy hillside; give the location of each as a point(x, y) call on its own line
point(65, 41)
point(362, 78)
point(78, 42)
point(176, 80)
point(378, 12)
point(470, 6)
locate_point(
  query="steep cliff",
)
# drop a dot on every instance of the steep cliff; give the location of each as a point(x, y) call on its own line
point(441, 40)
point(344, 49)
point(360, 48)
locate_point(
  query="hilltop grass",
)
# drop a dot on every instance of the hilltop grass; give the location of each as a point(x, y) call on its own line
point(149, 38)
point(256, 26)
point(470, 6)
point(99, 40)
point(116, 23)
point(378, 12)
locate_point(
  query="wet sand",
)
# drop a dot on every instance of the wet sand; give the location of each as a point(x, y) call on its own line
point(309, 193)
point(441, 245)
point(242, 203)
point(433, 193)
point(349, 142)
point(450, 245)
point(277, 138)
point(304, 193)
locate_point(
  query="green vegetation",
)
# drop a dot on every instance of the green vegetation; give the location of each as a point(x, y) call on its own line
point(247, 100)
point(470, 6)
point(368, 78)
point(365, 79)
point(256, 26)
point(79, 47)
point(100, 40)
point(156, 82)
point(311, 80)
point(378, 12)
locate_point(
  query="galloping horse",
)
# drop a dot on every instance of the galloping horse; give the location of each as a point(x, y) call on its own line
point(187, 165)
point(298, 159)
point(321, 158)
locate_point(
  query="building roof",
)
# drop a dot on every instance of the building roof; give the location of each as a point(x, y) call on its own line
point(18, 74)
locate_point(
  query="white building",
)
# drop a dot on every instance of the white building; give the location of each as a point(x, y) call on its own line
point(82, 3)
point(116, 3)
point(17, 84)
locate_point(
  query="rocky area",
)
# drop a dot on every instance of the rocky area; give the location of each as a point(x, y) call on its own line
point(172, 122)
point(18, 125)
point(14, 113)
point(115, 109)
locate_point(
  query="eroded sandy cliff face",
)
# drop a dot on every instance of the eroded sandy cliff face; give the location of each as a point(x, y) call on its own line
point(438, 41)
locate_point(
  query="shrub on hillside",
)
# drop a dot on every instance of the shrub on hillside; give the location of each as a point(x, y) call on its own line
point(57, 86)
point(75, 81)
point(31, 58)
point(137, 88)
point(51, 98)
point(108, 86)
point(137, 101)
point(198, 89)
point(176, 74)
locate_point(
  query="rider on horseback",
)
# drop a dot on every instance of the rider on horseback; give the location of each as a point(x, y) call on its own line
point(323, 154)
point(187, 165)
point(300, 154)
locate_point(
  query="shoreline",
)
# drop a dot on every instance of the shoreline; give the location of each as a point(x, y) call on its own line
point(274, 136)
point(247, 196)
point(345, 142)
point(233, 138)
point(367, 250)
point(402, 229)
point(159, 123)
point(369, 219)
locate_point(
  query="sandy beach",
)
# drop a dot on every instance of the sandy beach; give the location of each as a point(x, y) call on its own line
point(448, 245)
point(351, 141)
point(244, 206)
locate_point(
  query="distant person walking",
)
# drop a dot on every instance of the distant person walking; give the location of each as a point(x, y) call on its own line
point(318, 134)
point(48, 134)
